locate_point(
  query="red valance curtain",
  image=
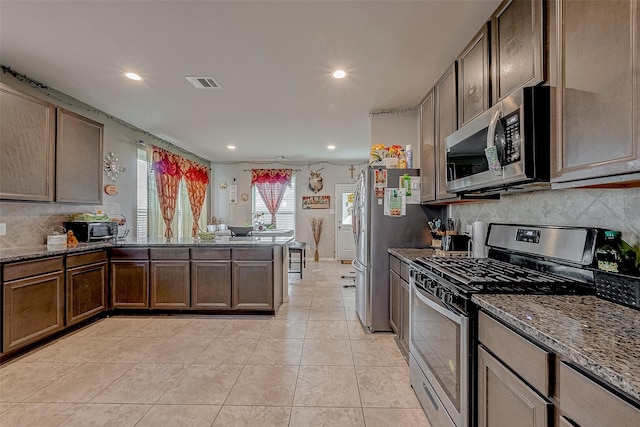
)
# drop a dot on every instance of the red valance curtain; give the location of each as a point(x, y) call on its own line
point(167, 172)
point(196, 177)
point(271, 184)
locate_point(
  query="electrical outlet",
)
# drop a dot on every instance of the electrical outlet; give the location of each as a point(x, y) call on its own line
point(3, 229)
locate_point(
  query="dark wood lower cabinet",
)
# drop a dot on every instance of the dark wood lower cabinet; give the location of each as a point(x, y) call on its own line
point(170, 284)
point(252, 285)
point(404, 309)
point(129, 284)
point(86, 291)
point(505, 400)
point(33, 309)
point(210, 284)
point(395, 307)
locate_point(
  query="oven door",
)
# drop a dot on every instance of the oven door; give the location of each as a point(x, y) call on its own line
point(439, 343)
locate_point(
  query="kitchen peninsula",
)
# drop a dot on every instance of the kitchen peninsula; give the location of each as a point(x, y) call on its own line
point(46, 291)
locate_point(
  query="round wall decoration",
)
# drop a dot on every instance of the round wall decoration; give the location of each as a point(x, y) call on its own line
point(223, 185)
point(244, 197)
point(112, 167)
point(111, 189)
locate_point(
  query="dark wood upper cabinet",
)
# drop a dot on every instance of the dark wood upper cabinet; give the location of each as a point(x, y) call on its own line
point(517, 53)
point(427, 149)
point(27, 147)
point(598, 93)
point(78, 158)
point(446, 119)
point(473, 77)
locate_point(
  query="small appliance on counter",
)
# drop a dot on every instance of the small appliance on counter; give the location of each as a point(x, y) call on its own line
point(456, 243)
point(92, 232)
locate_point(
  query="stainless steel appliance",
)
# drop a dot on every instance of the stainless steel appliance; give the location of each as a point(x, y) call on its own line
point(522, 259)
point(517, 130)
point(375, 233)
point(87, 232)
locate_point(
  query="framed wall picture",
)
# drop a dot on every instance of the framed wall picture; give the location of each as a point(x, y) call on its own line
point(316, 202)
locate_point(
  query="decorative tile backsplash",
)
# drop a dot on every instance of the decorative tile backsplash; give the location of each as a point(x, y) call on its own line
point(28, 224)
point(610, 209)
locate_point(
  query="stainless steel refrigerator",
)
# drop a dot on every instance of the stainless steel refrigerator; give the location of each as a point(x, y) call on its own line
point(374, 234)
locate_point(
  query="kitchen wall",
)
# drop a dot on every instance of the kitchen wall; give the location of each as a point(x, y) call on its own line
point(617, 209)
point(397, 128)
point(238, 214)
point(28, 223)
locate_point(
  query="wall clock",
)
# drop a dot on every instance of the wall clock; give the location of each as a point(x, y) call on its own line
point(112, 167)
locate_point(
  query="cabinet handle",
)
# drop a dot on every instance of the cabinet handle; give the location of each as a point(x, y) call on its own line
point(430, 396)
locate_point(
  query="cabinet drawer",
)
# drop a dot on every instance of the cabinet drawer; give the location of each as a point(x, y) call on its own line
point(20, 270)
point(253, 253)
point(405, 272)
point(129, 253)
point(529, 361)
point(86, 258)
point(394, 264)
point(169, 253)
point(210, 254)
point(587, 403)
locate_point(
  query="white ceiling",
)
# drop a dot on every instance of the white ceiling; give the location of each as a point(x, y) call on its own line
point(273, 60)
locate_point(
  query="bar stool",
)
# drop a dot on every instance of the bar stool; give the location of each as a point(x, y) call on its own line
point(301, 249)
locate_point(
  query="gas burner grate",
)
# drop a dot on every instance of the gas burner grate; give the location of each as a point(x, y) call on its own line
point(490, 275)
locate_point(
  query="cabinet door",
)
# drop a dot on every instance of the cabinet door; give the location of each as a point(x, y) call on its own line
point(598, 113)
point(252, 285)
point(86, 291)
point(33, 309)
point(446, 107)
point(473, 77)
point(427, 149)
point(27, 147)
point(210, 284)
point(129, 284)
point(394, 302)
point(505, 400)
point(517, 53)
point(404, 317)
point(170, 284)
point(78, 159)
point(588, 404)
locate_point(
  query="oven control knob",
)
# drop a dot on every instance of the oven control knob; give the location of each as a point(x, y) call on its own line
point(446, 296)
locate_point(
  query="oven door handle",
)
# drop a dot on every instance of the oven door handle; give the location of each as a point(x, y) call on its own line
point(442, 310)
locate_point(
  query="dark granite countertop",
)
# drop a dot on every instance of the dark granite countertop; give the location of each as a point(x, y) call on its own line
point(598, 335)
point(26, 253)
point(411, 254)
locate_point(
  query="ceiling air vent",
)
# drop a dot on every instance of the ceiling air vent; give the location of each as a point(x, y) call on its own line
point(204, 82)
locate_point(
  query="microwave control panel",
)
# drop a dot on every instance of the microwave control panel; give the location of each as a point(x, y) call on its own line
point(512, 138)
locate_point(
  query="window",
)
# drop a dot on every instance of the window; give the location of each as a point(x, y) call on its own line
point(286, 215)
point(149, 219)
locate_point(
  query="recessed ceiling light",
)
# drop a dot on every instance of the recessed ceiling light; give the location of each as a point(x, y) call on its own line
point(331, 147)
point(231, 147)
point(133, 76)
point(339, 74)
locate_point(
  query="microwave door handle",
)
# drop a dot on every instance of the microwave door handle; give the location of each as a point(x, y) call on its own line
point(492, 128)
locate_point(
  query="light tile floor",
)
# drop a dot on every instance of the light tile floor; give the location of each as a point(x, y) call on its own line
point(311, 365)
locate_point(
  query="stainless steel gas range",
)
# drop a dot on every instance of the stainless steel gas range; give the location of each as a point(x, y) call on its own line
point(522, 259)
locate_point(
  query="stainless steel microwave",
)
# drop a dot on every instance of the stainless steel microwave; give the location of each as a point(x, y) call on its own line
point(505, 148)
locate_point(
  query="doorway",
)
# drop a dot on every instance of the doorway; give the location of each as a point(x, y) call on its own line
point(345, 243)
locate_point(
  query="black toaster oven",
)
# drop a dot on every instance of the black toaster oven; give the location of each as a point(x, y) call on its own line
point(88, 232)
